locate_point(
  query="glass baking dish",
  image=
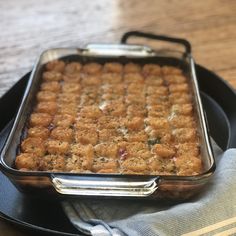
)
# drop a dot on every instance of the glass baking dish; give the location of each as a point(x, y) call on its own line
point(110, 185)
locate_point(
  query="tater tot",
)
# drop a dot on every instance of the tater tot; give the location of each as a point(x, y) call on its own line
point(71, 105)
point(161, 166)
point(109, 170)
point(56, 65)
point(71, 88)
point(52, 86)
point(115, 108)
point(136, 137)
point(52, 76)
point(135, 123)
point(168, 166)
point(92, 112)
point(178, 98)
point(68, 98)
point(87, 100)
point(33, 145)
point(108, 122)
point(113, 67)
point(90, 80)
point(167, 138)
point(135, 99)
point(85, 124)
point(70, 110)
point(175, 79)
point(46, 107)
point(179, 88)
point(133, 149)
point(188, 165)
point(106, 150)
point(84, 121)
point(27, 161)
point(90, 90)
point(62, 134)
point(110, 96)
point(135, 164)
point(114, 88)
point(72, 68)
point(171, 70)
point(105, 165)
point(154, 100)
point(135, 110)
point(188, 149)
point(83, 150)
point(132, 68)
point(63, 120)
point(184, 135)
point(154, 113)
point(182, 122)
point(157, 97)
point(38, 132)
point(184, 109)
point(52, 162)
point(151, 69)
point(40, 119)
point(111, 78)
point(57, 147)
point(86, 136)
point(133, 78)
point(46, 96)
point(92, 68)
point(155, 165)
point(158, 107)
point(162, 90)
point(154, 80)
point(82, 155)
point(106, 135)
point(159, 136)
point(72, 78)
point(158, 123)
point(163, 150)
point(74, 164)
point(136, 88)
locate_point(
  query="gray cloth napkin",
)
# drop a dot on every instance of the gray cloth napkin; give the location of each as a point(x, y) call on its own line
point(213, 212)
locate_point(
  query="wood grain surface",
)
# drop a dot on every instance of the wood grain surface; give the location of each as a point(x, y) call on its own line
point(28, 27)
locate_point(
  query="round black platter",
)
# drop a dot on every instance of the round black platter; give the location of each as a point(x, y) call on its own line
point(47, 216)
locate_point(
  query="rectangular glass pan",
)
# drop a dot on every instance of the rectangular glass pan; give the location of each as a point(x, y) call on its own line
point(109, 185)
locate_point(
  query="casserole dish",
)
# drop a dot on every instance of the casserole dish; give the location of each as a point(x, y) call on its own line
point(161, 186)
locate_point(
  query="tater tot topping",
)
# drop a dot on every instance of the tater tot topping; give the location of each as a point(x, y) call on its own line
point(112, 118)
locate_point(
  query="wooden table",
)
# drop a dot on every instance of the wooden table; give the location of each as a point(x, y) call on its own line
point(28, 27)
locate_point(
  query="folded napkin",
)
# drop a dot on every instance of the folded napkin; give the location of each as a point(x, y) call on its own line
point(213, 212)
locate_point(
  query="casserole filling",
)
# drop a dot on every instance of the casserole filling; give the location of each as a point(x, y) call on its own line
point(112, 118)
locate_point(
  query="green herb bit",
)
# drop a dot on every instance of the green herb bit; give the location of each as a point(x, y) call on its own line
point(154, 141)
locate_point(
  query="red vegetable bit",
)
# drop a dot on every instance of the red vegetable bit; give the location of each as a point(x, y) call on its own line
point(123, 153)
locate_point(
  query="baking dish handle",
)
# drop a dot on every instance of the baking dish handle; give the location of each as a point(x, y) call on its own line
point(181, 41)
point(104, 186)
point(118, 50)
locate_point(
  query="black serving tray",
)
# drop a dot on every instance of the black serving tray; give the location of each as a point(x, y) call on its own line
point(47, 216)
